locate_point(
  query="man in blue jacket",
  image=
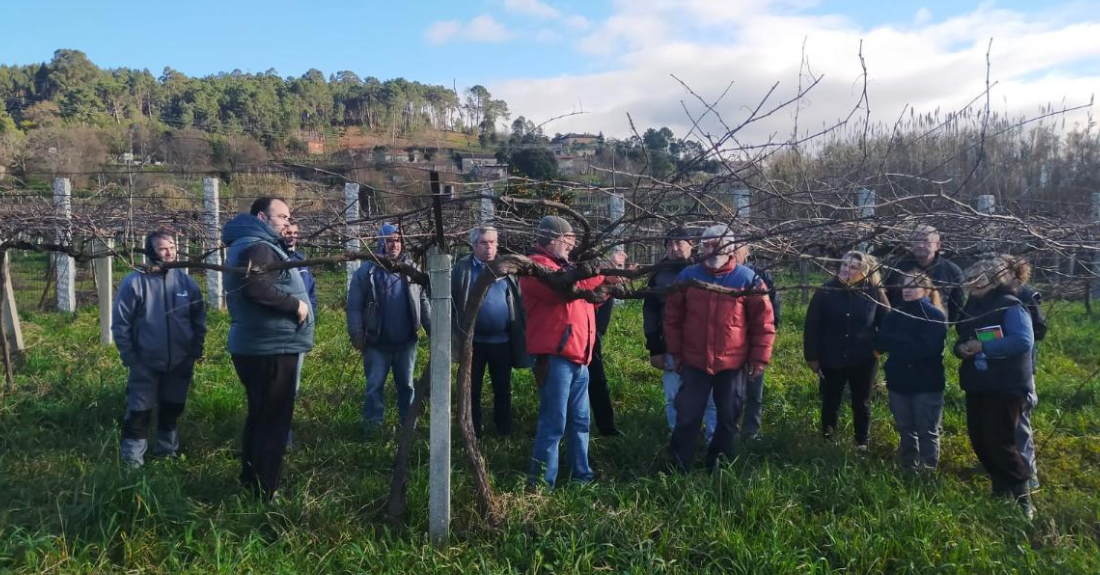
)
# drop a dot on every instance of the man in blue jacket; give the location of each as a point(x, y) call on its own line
point(384, 310)
point(159, 326)
point(500, 331)
point(271, 328)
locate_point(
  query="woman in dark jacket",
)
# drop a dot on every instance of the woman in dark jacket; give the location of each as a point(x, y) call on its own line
point(838, 341)
point(913, 336)
point(995, 345)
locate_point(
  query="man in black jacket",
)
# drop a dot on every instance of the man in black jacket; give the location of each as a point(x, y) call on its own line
point(679, 242)
point(599, 393)
point(500, 331)
point(924, 257)
point(754, 387)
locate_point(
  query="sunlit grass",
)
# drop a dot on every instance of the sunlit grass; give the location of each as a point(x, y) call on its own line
point(787, 504)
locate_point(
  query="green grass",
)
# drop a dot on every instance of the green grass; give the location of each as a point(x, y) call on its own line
point(788, 504)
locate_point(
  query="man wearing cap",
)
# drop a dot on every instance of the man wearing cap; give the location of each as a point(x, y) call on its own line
point(716, 340)
point(384, 311)
point(561, 334)
point(159, 326)
point(678, 246)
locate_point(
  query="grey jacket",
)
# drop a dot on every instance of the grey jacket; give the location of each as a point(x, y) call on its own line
point(517, 314)
point(364, 319)
point(159, 319)
point(263, 307)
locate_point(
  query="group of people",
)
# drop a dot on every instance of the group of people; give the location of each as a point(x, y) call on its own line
point(709, 322)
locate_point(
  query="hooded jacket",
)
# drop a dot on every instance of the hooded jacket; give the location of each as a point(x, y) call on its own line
point(158, 320)
point(263, 308)
point(370, 300)
point(715, 332)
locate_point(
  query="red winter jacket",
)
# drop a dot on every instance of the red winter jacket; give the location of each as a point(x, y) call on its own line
point(556, 326)
point(715, 332)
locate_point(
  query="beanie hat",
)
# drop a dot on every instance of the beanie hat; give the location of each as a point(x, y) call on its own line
point(551, 228)
point(679, 233)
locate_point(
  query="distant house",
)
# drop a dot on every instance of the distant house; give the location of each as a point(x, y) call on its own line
point(566, 163)
point(468, 162)
point(490, 171)
point(569, 140)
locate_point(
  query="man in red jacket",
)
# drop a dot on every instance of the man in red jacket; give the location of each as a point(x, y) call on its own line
point(560, 335)
point(716, 340)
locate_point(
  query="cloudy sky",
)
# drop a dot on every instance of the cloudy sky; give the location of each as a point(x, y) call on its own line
point(612, 58)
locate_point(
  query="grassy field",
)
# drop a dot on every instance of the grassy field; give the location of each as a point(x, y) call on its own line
point(787, 504)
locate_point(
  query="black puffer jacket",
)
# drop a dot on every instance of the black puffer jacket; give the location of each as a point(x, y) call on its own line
point(842, 324)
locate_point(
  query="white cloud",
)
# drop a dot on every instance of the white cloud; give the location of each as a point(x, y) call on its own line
point(578, 22)
point(546, 35)
point(443, 31)
point(480, 29)
point(532, 8)
point(485, 29)
point(924, 65)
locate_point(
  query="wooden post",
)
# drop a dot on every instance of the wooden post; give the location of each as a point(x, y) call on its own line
point(64, 264)
point(439, 494)
point(104, 287)
point(10, 310)
point(215, 294)
point(351, 214)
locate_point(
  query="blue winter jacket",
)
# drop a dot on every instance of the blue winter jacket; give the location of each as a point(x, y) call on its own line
point(262, 310)
point(913, 335)
point(158, 319)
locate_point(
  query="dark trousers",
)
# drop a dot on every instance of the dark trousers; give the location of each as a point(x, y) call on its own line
point(991, 420)
point(498, 358)
point(859, 378)
point(270, 382)
point(599, 394)
point(728, 388)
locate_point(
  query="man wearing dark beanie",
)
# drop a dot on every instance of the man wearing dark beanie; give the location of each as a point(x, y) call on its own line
point(561, 333)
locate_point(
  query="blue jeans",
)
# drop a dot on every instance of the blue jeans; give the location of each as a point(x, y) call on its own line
point(754, 407)
point(563, 412)
point(377, 363)
point(672, 381)
point(917, 417)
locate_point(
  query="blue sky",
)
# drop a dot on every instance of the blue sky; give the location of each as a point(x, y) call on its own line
point(607, 58)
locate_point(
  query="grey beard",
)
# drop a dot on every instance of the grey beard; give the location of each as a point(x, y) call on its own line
point(716, 262)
